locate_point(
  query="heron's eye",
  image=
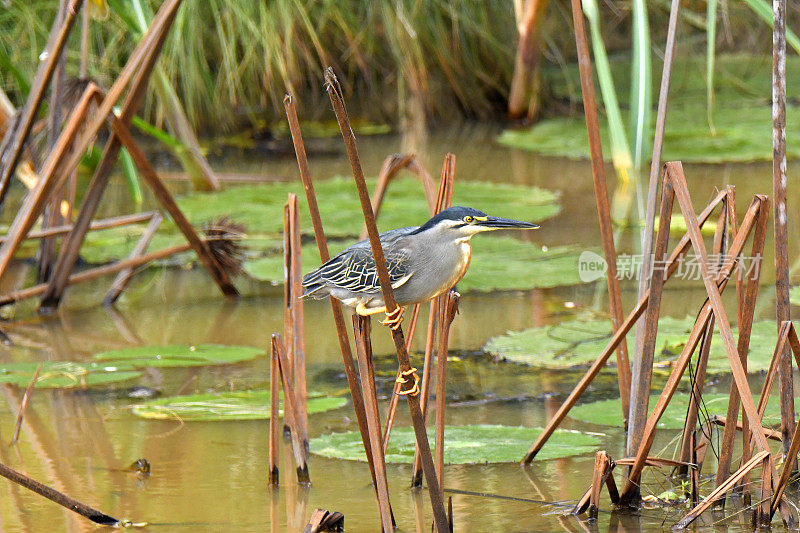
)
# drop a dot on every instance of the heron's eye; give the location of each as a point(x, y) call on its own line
point(468, 219)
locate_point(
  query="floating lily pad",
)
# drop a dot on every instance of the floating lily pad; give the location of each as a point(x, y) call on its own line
point(111, 244)
point(739, 77)
point(742, 116)
point(608, 413)
point(260, 207)
point(209, 407)
point(464, 444)
point(579, 342)
point(498, 263)
point(741, 134)
point(177, 355)
point(65, 374)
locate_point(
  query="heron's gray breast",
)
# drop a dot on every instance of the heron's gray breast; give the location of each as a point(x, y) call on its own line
point(436, 265)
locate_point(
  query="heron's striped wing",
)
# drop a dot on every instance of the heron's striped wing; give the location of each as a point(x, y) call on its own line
point(354, 270)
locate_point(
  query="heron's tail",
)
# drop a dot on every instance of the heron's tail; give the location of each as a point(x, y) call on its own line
point(313, 286)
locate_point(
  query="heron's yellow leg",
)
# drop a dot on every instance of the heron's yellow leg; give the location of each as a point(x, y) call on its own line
point(414, 390)
point(363, 310)
point(395, 318)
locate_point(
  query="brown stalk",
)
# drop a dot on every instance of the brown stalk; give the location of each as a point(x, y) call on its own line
point(149, 47)
point(652, 199)
point(322, 520)
point(630, 491)
point(52, 212)
point(24, 404)
point(794, 344)
point(740, 376)
point(743, 346)
point(603, 475)
point(450, 307)
point(274, 413)
point(787, 470)
point(688, 438)
point(290, 412)
point(720, 491)
point(520, 95)
point(56, 42)
point(392, 166)
point(94, 273)
point(67, 154)
point(167, 201)
point(437, 503)
point(361, 329)
point(288, 285)
point(106, 223)
point(640, 395)
point(427, 367)
point(677, 253)
point(603, 208)
point(124, 277)
point(601, 471)
point(443, 200)
point(771, 434)
point(658, 462)
point(299, 340)
point(293, 312)
point(98, 517)
point(324, 255)
point(780, 215)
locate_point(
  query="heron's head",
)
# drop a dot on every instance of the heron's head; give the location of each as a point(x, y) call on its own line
point(464, 222)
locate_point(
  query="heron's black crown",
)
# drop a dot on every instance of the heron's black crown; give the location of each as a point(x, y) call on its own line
point(451, 213)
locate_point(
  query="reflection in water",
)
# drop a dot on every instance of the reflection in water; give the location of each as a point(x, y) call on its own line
point(212, 476)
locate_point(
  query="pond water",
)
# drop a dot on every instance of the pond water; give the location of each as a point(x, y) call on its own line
point(213, 476)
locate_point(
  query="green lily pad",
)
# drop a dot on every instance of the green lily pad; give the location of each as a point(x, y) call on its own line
point(740, 134)
point(176, 355)
point(579, 342)
point(739, 77)
point(498, 263)
point(741, 115)
point(260, 207)
point(111, 244)
point(66, 374)
point(211, 407)
point(464, 444)
point(607, 412)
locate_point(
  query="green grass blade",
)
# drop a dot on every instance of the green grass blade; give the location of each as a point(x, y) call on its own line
point(711, 42)
point(641, 88)
point(157, 133)
point(131, 177)
point(764, 11)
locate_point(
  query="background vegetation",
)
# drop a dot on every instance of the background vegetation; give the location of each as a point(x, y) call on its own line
point(232, 60)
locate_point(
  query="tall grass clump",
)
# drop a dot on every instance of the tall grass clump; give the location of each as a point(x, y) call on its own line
point(243, 55)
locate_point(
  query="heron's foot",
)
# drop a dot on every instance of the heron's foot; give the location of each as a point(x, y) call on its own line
point(395, 318)
point(413, 391)
point(363, 310)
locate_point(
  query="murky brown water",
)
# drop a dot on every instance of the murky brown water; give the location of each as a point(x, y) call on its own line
point(212, 476)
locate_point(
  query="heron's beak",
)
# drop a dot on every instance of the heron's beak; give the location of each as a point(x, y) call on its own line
point(493, 223)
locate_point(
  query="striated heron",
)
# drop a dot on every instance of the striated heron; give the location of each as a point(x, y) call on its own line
point(423, 262)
